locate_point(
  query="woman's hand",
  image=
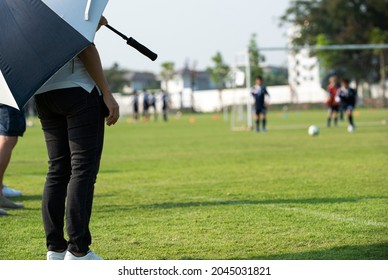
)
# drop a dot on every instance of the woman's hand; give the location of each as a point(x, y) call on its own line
point(92, 62)
point(113, 107)
point(103, 21)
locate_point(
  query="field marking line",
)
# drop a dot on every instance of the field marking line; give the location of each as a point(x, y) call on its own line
point(330, 216)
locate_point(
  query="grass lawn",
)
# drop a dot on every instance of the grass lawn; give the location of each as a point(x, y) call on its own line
point(197, 190)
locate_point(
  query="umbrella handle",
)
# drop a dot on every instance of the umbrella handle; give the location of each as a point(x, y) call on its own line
point(135, 44)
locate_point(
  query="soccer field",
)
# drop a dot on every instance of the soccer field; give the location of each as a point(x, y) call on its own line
point(193, 189)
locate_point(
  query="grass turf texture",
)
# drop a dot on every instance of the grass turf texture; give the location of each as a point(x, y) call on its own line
point(196, 190)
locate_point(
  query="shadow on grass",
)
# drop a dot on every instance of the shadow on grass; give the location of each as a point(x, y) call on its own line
point(190, 204)
point(25, 198)
point(377, 251)
point(112, 171)
point(169, 205)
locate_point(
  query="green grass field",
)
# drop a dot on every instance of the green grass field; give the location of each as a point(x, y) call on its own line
point(198, 190)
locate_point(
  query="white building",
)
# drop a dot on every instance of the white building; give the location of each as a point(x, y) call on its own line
point(304, 78)
point(184, 83)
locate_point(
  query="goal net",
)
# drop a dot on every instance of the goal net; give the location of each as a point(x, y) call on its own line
point(241, 115)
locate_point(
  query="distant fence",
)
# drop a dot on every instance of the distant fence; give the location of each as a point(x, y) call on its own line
point(206, 101)
point(211, 100)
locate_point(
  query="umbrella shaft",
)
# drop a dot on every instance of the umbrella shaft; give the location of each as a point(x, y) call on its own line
point(117, 32)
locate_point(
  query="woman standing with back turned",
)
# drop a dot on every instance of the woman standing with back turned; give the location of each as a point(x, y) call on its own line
point(72, 107)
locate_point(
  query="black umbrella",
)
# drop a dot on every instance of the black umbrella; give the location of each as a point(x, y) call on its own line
point(38, 37)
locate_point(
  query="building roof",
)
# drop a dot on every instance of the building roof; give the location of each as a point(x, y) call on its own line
point(140, 76)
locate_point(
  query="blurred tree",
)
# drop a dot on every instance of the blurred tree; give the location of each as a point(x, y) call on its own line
point(219, 73)
point(115, 77)
point(275, 77)
point(325, 22)
point(167, 73)
point(254, 59)
point(379, 36)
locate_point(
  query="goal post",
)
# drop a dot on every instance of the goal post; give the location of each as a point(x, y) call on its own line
point(241, 109)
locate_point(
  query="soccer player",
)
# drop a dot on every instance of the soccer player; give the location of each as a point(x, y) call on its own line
point(348, 98)
point(152, 104)
point(135, 106)
point(165, 103)
point(146, 106)
point(258, 92)
point(333, 101)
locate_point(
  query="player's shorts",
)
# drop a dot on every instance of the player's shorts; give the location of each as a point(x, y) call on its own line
point(261, 110)
point(334, 108)
point(347, 107)
point(12, 121)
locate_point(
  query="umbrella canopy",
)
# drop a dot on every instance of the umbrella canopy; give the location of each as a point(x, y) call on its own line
point(38, 37)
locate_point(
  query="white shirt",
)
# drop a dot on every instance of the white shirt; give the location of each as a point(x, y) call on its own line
point(72, 74)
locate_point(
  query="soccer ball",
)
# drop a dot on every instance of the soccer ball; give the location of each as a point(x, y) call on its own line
point(313, 130)
point(350, 128)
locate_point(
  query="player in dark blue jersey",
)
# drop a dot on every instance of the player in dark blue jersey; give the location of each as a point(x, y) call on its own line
point(135, 106)
point(165, 103)
point(146, 106)
point(259, 91)
point(152, 103)
point(348, 97)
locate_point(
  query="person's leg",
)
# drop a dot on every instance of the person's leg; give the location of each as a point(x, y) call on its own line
point(85, 130)
point(341, 113)
point(100, 145)
point(12, 125)
point(264, 121)
point(155, 115)
point(7, 143)
point(136, 113)
point(329, 116)
point(349, 113)
point(257, 121)
point(55, 189)
point(335, 114)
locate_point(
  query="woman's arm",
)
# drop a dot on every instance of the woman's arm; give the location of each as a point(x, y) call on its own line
point(92, 62)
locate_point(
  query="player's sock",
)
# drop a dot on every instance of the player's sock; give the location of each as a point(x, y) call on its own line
point(257, 125)
point(264, 124)
point(351, 120)
point(336, 121)
point(328, 122)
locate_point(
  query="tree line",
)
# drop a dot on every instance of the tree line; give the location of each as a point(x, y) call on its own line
point(315, 23)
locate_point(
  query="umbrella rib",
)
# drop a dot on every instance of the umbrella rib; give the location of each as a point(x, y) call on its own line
point(87, 9)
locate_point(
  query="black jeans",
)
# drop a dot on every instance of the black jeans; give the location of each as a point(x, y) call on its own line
point(73, 124)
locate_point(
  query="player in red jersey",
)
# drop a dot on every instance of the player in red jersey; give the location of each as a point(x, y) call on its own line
point(333, 101)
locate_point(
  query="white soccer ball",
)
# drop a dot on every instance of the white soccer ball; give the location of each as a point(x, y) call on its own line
point(313, 130)
point(350, 128)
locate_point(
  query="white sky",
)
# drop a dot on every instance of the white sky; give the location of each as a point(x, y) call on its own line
point(193, 30)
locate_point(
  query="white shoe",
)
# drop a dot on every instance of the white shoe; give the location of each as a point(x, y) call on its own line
point(56, 256)
point(351, 128)
point(7, 192)
point(90, 256)
point(3, 212)
point(6, 203)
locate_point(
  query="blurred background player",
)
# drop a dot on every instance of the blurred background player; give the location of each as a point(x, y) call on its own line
point(259, 91)
point(333, 101)
point(152, 104)
point(135, 106)
point(165, 101)
point(348, 98)
point(146, 106)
